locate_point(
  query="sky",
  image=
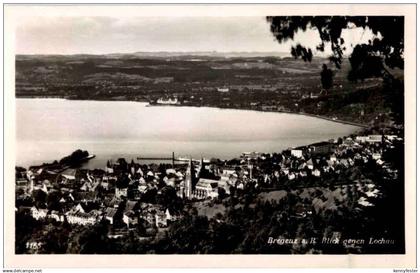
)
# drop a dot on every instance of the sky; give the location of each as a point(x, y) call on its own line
point(103, 35)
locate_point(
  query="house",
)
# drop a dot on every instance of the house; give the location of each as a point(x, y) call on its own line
point(22, 183)
point(148, 216)
point(361, 139)
point(224, 183)
point(240, 186)
point(117, 233)
point(267, 178)
point(302, 166)
point(121, 192)
point(170, 171)
point(66, 201)
point(142, 181)
point(329, 168)
point(269, 107)
point(83, 196)
point(131, 213)
point(109, 170)
point(113, 202)
point(68, 176)
point(374, 139)
point(365, 159)
point(89, 186)
point(170, 180)
point(331, 163)
point(376, 156)
point(82, 218)
point(131, 218)
point(301, 211)
point(391, 137)
point(310, 164)
point(172, 215)
point(380, 162)
point(131, 205)
point(121, 186)
point(316, 173)
point(324, 147)
point(344, 162)
point(312, 96)
point(297, 153)
point(161, 219)
point(285, 170)
point(228, 172)
point(109, 178)
point(206, 188)
point(148, 212)
point(180, 175)
point(105, 185)
point(56, 216)
point(111, 215)
point(222, 89)
point(86, 207)
point(303, 173)
point(349, 141)
point(250, 155)
point(143, 188)
point(364, 202)
point(45, 186)
point(38, 213)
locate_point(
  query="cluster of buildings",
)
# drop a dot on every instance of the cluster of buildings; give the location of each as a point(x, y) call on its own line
point(131, 194)
point(331, 157)
point(124, 194)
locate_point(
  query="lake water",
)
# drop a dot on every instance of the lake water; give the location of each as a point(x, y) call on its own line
point(49, 129)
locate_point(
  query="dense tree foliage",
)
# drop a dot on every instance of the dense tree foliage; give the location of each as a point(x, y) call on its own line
point(326, 77)
point(75, 158)
point(388, 43)
point(40, 198)
point(368, 60)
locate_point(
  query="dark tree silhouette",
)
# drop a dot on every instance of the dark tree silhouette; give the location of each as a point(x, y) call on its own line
point(368, 60)
point(326, 77)
point(53, 200)
point(40, 198)
point(75, 158)
point(387, 45)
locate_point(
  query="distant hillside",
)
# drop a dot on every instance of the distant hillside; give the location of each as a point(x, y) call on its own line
point(160, 54)
point(268, 83)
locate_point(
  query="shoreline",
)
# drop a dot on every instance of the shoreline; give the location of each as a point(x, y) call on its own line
point(364, 126)
point(234, 156)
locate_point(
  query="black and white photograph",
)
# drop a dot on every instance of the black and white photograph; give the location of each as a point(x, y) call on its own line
point(209, 134)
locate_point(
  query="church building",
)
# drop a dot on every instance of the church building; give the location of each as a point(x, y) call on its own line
point(196, 187)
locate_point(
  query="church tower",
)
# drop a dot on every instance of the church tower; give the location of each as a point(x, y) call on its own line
point(202, 168)
point(189, 180)
point(31, 185)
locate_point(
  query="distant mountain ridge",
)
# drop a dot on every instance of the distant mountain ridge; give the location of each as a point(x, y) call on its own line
point(215, 54)
point(167, 54)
